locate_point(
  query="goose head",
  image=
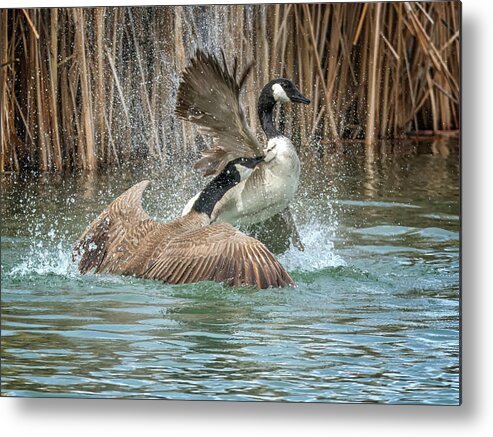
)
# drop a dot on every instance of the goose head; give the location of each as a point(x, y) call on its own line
point(283, 90)
point(277, 90)
point(241, 168)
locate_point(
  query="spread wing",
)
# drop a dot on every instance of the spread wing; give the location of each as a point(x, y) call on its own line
point(221, 253)
point(125, 240)
point(209, 95)
point(122, 230)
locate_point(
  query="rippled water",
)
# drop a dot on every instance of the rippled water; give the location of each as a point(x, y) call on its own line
point(374, 318)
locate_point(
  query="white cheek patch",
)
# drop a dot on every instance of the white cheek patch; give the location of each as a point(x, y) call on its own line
point(270, 151)
point(270, 155)
point(279, 94)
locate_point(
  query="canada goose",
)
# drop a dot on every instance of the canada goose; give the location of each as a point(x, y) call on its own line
point(125, 240)
point(209, 95)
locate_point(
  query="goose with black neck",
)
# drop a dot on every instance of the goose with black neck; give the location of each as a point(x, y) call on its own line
point(209, 96)
point(125, 240)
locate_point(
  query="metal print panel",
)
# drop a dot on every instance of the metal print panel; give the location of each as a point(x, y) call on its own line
point(243, 203)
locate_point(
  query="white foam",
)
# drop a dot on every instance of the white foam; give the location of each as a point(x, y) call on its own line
point(319, 250)
point(44, 259)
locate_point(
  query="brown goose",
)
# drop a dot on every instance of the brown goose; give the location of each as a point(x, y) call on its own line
point(209, 96)
point(125, 240)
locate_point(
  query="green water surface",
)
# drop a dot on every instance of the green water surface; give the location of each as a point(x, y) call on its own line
point(374, 316)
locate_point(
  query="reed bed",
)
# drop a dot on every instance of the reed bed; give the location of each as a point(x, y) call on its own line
point(95, 87)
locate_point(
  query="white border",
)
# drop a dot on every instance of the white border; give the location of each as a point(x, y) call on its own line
point(62, 417)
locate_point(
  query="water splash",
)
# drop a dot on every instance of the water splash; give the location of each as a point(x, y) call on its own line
point(319, 250)
point(50, 224)
point(45, 235)
point(43, 259)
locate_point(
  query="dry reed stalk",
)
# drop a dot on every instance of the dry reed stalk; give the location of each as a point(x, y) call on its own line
point(41, 128)
point(412, 95)
point(321, 50)
point(386, 89)
point(425, 13)
point(372, 86)
point(9, 125)
point(285, 33)
point(262, 65)
point(112, 143)
point(434, 53)
point(118, 85)
point(398, 43)
point(53, 66)
point(79, 152)
point(180, 63)
point(303, 56)
point(290, 54)
point(45, 109)
point(154, 145)
point(115, 43)
point(99, 74)
point(360, 23)
point(280, 29)
point(361, 89)
point(5, 104)
point(392, 50)
point(69, 114)
point(90, 162)
point(31, 24)
point(328, 106)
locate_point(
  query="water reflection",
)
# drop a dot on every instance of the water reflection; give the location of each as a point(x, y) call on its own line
point(372, 179)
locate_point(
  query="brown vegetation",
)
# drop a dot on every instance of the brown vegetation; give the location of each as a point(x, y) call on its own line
point(90, 88)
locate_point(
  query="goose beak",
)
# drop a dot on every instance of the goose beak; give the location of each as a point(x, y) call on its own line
point(253, 162)
point(299, 98)
point(258, 160)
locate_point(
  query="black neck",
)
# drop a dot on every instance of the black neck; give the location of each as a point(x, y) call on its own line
point(265, 109)
point(214, 191)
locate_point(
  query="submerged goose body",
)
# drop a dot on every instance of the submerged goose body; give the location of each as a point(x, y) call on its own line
point(209, 96)
point(125, 240)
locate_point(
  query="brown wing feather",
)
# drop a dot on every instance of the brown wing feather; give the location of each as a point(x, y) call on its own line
point(218, 252)
point(110, 243)
point(209, 96)
point(125, 240)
